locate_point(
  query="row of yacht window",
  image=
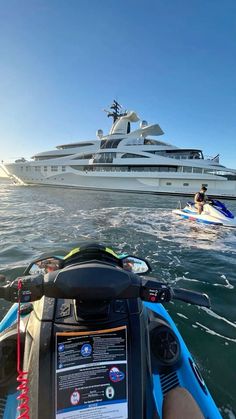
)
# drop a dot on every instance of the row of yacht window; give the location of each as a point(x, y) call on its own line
point(183, 169)
point(109, 156)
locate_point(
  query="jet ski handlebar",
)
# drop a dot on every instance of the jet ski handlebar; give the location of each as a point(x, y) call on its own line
point(96, 282)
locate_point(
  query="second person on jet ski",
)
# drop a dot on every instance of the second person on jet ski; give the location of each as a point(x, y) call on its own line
point(200, 199)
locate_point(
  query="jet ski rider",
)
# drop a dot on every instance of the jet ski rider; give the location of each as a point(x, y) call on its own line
point(200, 199)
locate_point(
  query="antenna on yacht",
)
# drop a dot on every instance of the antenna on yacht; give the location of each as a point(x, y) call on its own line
point(116, 108)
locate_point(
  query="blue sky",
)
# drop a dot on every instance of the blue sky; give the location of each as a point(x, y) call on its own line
point(63, 61)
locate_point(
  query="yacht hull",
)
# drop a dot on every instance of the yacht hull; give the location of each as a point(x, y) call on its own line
point(134, 181)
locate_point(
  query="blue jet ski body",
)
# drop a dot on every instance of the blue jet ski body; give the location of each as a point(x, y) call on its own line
point(185, 374)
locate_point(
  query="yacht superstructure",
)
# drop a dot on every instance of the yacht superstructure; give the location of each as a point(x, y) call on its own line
point(127, 160)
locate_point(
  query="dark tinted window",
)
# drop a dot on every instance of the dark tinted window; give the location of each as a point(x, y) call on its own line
point(110, 143)
point(132, 156)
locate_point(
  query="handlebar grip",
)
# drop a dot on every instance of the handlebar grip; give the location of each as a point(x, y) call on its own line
point(9, 292)
point(191, 297)
point(31, 289)
point(155, 291)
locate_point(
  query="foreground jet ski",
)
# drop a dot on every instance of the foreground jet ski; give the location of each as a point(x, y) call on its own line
point(214, 212)
point(95, 341)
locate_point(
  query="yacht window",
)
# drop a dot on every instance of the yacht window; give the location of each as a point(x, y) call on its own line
point(197, 170)
point(168, 169)
point(195, 155)
point(83, 156)
point(132, 156)
point(54, 168)
point(149, 141)
point(63, 168)
point(187, 169)
point(48, 157)
point(104, 157)
point(168, 183)
point(205, 184)
point(185, 154)
point(166, 153)
point(122, 168)
point(185, 184)
point(154, 168)
point(45, 168)
point(164, 169)
point(213, 172)
point(112, 143)
point(61, 147)
point(37, 168)
point(159, 152)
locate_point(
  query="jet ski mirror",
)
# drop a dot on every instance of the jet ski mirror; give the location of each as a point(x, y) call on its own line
point(135, 265)
point(44, 266)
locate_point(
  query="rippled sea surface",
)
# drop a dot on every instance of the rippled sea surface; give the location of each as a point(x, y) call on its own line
point(35, 220)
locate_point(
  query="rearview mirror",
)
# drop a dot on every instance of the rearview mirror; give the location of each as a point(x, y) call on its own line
point(44, 266)
point(135, 265)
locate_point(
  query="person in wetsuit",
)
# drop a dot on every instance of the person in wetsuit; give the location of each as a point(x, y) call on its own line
point(200, 199)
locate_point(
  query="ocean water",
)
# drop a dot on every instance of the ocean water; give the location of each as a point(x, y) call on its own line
point(37, 220)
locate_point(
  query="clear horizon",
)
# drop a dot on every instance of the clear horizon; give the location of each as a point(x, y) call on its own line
point(62, 63)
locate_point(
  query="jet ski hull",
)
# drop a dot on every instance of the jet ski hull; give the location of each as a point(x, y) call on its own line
point(183, 372)
point(189, 215)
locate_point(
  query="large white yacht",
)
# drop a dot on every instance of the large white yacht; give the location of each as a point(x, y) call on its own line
point(126, 160)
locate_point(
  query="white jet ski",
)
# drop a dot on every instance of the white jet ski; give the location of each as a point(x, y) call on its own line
point(214, 212)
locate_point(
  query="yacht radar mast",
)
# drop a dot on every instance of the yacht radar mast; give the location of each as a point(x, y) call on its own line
point(116, 108)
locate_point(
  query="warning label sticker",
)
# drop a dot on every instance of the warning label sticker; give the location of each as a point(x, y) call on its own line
point(91, 374)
